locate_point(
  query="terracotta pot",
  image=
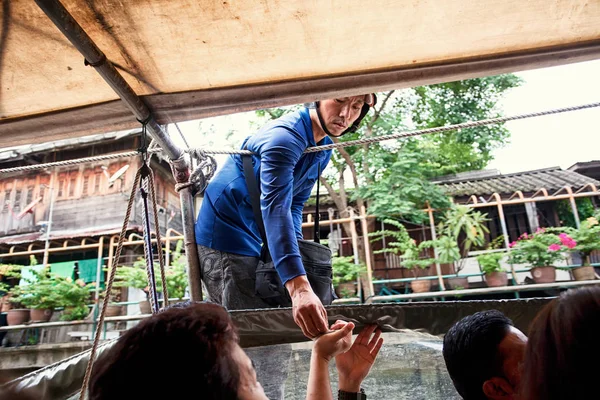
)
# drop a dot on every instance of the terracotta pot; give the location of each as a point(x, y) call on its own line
point(420, 285)
point(543, 274)
point(41, 315)
point(145, 307)
point(346, 289)
point(114, 311)
point(585, 273)
point(496, 279)
point(17, 316)
point(458, 282)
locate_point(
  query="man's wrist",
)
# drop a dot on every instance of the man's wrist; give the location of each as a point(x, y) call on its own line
point(298, 284)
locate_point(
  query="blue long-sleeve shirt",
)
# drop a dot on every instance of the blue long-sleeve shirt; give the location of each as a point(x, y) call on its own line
point(286, 177)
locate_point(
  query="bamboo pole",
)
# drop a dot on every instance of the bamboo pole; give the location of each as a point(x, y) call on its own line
point(438, 268)
point(505, 233)
point(365, 229)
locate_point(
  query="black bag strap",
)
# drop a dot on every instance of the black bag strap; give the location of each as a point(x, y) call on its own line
point(254, 192)
point(317, 234)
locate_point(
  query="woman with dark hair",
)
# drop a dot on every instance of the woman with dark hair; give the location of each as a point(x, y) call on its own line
point(192, 352)
point(563, 347)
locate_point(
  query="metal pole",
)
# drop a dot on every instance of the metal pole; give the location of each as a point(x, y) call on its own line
point(48, 228)
point(438, 268)
point(365, 229)
point(94, 57)
point(98, 272)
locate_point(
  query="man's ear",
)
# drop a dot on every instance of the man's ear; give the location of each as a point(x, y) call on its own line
point(498, 388)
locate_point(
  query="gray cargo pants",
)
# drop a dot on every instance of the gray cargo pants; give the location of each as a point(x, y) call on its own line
point(229, 280)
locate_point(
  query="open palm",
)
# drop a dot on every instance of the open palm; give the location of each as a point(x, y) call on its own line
point(355, 364)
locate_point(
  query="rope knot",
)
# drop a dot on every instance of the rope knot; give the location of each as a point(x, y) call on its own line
point(202, 174)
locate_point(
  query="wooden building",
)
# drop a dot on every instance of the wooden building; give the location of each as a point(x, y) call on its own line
point(88, 201)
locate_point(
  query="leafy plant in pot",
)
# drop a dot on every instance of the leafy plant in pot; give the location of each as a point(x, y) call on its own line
point(411, 259)
point(495, 275)
point(345, 275)
point(396, 241)
point(466, 228)
point(136, 277)
point(540, 251)
point(584, 240)
point(9, 277)
point(45, 292)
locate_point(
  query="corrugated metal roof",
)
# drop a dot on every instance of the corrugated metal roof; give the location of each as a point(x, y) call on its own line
point(529, 181)
point(19, 151)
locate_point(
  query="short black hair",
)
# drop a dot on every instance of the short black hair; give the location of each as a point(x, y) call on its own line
point(179, 353)
point(471, 351)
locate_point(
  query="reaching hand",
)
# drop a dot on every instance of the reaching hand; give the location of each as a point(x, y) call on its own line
point(335, 342)
point(309, 313)
point(354, 365)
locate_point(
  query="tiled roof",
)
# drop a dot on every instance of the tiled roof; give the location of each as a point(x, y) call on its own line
point(528, 181)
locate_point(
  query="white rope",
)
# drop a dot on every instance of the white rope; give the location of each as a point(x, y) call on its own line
point(75, 161)
point(374, 139)
point(428, 131)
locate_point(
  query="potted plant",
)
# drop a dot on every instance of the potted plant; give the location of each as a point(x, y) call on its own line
point(494, 274)
point(46, 292)
point(466, 227)
point(38, 295)
point(9, 276)
point(411, 259)
point(584, 240)
point(448, 252)
point(74, 297)
point(396, 241)
point(540, 250)
point(345, 275)
point(136, 277)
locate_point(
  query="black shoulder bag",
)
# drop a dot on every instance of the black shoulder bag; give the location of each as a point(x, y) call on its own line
point(315, 256)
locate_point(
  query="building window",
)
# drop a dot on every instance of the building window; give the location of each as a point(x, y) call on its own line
point(97, 178)
point(17, 205)
point(6, 203)
point(72, 186)
point(84, 187)
point(29, 197)
point(61, 187)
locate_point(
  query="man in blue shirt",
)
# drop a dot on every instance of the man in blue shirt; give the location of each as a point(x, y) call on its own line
point(228, 238)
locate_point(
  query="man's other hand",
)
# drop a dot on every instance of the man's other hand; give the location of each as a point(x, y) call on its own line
point(309, 313)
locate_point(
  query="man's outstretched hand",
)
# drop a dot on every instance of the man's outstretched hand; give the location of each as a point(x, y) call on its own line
point(309, 313)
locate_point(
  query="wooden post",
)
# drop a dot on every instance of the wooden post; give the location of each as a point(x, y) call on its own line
point(438, 268)
point(505, 233)
point(365, 229)
point(573, 206)
point(354, 235)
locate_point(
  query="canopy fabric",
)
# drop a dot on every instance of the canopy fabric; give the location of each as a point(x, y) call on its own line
point(276, 326)
point(194, 59)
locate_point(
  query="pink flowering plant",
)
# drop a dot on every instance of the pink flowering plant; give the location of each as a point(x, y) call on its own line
point(540, 249)
point(583, 240)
